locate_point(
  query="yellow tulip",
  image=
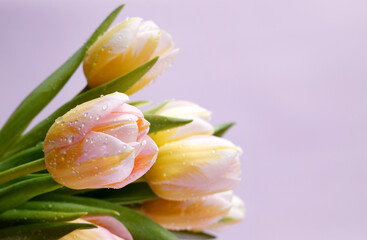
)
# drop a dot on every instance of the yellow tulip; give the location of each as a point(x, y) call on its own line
point(195, 167)
point(193, 214)
point(125, 47)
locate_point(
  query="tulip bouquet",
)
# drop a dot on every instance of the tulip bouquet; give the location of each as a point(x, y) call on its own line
point(100, 168)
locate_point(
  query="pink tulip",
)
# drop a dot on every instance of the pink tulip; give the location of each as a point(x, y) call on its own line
point(102, 143)
point(108, 228)
point(110, 223)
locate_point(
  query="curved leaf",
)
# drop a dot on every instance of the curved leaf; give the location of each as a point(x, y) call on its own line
point(130, 194)
point(41, 231)
point(160, 123)
point(140, 227)
point(22, 157)
point(22, 170)
point(66, 207)
point(120, 84)
point(32, 216)
point(47, 90)
point(20, 192)
point(222, 128)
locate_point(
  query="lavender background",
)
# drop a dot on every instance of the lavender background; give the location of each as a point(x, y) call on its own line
point(292, 74)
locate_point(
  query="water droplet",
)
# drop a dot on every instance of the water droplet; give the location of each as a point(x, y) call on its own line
point(58, 120)
point(85, 114)
point(164, 174)
point(104, 107)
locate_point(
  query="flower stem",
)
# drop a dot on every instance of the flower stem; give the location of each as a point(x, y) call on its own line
point(22, 170)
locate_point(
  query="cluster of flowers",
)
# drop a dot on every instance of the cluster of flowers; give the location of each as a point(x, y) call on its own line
point(106, 143)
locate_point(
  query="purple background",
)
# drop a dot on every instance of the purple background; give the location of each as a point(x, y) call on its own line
point(292, 74)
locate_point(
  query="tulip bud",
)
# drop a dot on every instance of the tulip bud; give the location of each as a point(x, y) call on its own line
point(101, 232)
point(195, 167)
point(183, 109)
point(191, 214)
point(102, 143)
point(125, 47)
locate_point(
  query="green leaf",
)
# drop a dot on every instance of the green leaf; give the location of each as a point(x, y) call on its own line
point(120, 84)
point(140, 227)
point(154, 110)
point(33, 216)
point(192, 235)
point(22, 157)
point(47, 90)
point(26, 177)
point(21, 170)
point(130, 194)
point(140, 103)
point(222, 128)
point(20, 192)
point(160, 123)
point(41, 231)
point(66, 207)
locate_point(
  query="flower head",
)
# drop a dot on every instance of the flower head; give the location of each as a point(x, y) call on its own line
point(191, 162)
point(193, 214)
point(125, 47)
point(102, 143)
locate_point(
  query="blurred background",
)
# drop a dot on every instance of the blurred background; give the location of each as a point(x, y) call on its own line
point(292, 74)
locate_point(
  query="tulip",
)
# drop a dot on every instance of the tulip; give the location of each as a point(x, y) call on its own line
point(193, 214)
point(195, 166)
point(235, 215)
point(114, 230)
point(183, 109)
point(102, 143)
point(125, 47)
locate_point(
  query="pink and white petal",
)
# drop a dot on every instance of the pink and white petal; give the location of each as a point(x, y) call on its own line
point(126, 132)
point(111, 224)
point(164, 62)
point(98, 233)
point(122, 39)
point(184, 109)
point(143, 128)
point(143, 162)
point(98, 144)
point(165, 43)
point(147, 31)
point(75, 124)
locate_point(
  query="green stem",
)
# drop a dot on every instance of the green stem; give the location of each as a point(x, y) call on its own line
point(22, 170)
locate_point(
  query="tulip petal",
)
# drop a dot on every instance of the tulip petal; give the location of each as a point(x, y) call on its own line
point(165, 43)
point(90, 234)
point(111, 224)
point(197, 127)
point(72, 127)
point(184, 109)
point(190, 214)
point(195, 167)
point(164, 61)
point(143, 162)
point(97, 161)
